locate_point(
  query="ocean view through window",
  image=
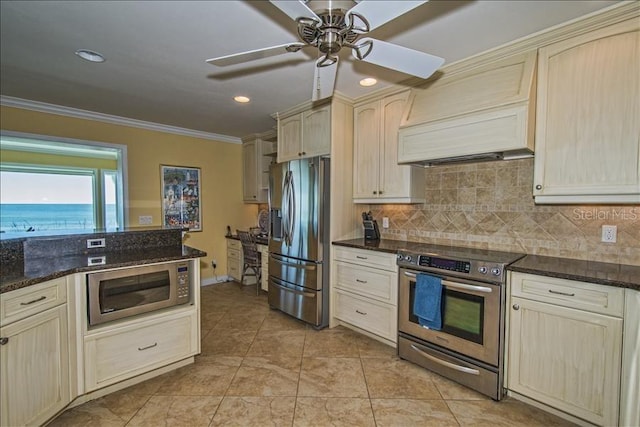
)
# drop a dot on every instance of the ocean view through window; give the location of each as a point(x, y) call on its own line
point(57, 187)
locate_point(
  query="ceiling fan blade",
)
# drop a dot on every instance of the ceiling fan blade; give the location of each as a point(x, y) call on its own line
point(400, 58)
point(252, 55)
point(295, 9)
point(379, 13)
point(324, 80)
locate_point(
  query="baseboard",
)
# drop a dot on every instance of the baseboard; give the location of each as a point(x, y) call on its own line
point(214, 280)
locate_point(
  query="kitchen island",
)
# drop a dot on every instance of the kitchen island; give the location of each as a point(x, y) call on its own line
point(53, 356)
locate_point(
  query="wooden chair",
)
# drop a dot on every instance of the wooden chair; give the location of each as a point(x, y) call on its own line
point(251, 258)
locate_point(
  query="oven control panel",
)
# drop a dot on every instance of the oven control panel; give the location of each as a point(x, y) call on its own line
point(469, 268)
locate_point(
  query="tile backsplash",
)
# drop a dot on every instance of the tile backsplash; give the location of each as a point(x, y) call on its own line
point(490, 205)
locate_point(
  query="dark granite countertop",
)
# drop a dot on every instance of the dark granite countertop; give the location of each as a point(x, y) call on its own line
point(259, 240)
point(41, 269)
point(610, 274)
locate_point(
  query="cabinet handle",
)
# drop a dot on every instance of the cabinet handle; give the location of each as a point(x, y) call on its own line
point(516, 306)
point(538, 187)
point(380, 192)
point(35, 300)
point(375, 192)
point(551, 291)
point(361, 312)
point(361, 257)
point(299, 154)
point(155, 344)
point(4, 340)
point(304, 153)
point(361, 281)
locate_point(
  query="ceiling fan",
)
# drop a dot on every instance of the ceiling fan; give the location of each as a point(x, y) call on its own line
point(331, 25)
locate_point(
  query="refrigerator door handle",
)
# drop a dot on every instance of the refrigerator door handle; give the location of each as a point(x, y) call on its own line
point(277, 284)
point(285, 208)
point(292, 208)
point(306, 266)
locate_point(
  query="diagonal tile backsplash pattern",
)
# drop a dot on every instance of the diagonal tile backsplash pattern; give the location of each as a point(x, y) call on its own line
point(490, 205)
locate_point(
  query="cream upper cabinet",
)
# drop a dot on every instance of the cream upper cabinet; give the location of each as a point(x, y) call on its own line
point(250, 192)
point(565, 345)
point(587, 140)
point(377, 177)
point(34, 368)
point(305, 134)
point(258, 152)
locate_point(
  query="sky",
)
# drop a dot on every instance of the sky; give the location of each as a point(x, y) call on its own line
point(21, 187)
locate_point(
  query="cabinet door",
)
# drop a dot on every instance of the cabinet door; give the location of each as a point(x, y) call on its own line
point(250, 172)
point(588, 118)
point(396, 181)
point(289, 138)
point(366, 150)
point(568, 359)
point(316, 132)
point(34, 368)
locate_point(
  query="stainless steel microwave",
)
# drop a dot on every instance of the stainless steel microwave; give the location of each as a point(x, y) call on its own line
point(117, 294)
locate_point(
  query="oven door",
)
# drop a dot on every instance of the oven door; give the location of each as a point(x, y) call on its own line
point(470, 317)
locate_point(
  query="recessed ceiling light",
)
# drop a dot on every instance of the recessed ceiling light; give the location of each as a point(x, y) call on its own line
point(89, 55)
point(369, 81)
point(241, 99)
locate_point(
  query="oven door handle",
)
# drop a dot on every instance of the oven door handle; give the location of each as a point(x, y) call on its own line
point(449, 284)
point(445, 363)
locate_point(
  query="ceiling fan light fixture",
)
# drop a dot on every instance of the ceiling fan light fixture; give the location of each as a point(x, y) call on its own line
point(369, 81)
point(90, 55)
point(241, 99)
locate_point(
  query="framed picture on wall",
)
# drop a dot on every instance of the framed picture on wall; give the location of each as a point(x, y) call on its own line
point(181, 197)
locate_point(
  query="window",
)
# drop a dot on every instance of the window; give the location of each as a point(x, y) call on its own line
point(55, 187)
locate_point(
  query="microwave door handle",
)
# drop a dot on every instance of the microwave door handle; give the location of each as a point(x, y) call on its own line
point(462, 286)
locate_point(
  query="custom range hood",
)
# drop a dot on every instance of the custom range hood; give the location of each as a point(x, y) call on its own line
point(483, 113)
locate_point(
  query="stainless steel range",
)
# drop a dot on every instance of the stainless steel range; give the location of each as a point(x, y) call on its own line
point(469, 346)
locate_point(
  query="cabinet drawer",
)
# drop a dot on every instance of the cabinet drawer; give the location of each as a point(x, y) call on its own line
point(233, 254)
point(123, 353)
point(22, 303)
point(234, 244)
point(370, 282)
point(367, 258)
point(372, 316)
point(233, 269)
point(569, 293)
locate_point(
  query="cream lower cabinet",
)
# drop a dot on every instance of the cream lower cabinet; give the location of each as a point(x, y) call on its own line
point(565, 344)
point(588, 118)
point(119, 353)
point(264, 261)
point(34, 368)
point(234, 259)
point(377, 177)
point(365, 291)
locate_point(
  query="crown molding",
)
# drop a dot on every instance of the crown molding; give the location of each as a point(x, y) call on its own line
point(43, 107)
point(601, 18)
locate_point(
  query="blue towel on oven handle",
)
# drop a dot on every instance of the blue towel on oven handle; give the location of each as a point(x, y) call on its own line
point(427, 302)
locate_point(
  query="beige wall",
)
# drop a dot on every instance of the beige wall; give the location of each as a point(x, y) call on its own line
point(220, 164)
point(490, 205)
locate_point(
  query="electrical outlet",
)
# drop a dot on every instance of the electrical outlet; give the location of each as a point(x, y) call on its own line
point(385, 222)
point(609, 233)
point(145, 220)
point(214, 263)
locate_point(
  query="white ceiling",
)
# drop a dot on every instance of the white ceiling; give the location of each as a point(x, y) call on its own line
point(156, 51)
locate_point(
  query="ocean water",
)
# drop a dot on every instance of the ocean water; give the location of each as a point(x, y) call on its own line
point(46, 217)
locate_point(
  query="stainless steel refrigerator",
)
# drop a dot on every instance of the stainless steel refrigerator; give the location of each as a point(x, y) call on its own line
point(299, 239)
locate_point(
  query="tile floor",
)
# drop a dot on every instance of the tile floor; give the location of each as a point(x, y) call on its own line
point(260, 367)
